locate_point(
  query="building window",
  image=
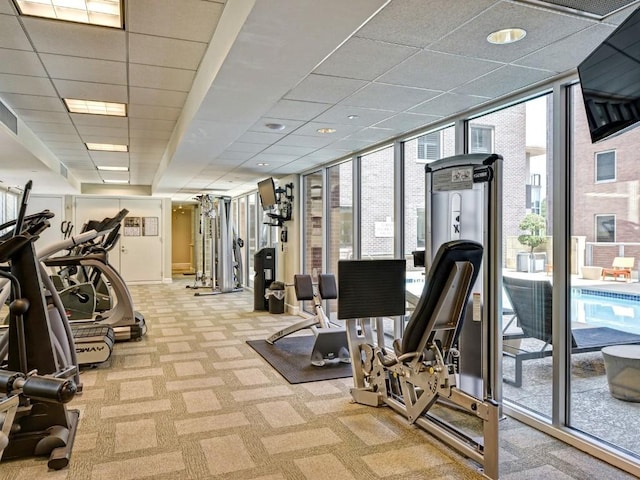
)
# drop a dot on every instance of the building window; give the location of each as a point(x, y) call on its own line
point(606, 166)
point(429, 147)
point(605, 228)
point(480, 139)
point(420, 227)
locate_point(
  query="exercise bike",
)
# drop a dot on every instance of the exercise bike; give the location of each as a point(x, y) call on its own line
point(331, 341)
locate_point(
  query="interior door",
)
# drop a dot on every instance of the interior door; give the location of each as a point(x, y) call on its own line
point(141, 241)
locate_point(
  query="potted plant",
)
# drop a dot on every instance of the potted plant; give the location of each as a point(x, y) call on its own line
point(533, 225)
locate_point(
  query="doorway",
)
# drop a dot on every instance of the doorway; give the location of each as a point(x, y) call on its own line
point(182, 239)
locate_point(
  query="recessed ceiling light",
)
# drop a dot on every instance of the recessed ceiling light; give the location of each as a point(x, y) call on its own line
point(326, 130)
point(115, 181)
point(506, 35)
point(275, 126)
point(106, 168)
point(107, 147)
point(107, 13)
point(95, 108)
point(263, 164)
point(352, 117)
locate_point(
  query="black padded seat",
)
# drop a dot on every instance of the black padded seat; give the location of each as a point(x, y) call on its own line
point(423, 320)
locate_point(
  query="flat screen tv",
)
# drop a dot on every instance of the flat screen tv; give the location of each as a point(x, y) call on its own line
point(267, 192)
point(610, 80)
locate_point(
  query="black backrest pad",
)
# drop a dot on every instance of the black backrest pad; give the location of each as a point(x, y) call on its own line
point(303, 286)
point(327, 286)
point(444, 262)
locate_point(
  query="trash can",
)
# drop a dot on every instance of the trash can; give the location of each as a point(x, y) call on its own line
point(275, 295)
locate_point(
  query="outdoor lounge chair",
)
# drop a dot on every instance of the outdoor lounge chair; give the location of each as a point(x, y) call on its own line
point(531, 301)
point(621, 267)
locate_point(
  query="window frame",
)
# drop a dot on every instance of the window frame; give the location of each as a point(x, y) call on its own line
point(601, 215)
point(615, 166)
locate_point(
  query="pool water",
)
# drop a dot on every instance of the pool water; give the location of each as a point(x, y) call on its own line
point(606, 311)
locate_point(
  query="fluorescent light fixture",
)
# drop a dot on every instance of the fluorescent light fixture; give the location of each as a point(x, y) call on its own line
point(115, 181)
point(506, 35)
point(95, 108)
point(326, 130)
point(107, 13)
point(107, 147)
point(262, 164)
point(106, 168)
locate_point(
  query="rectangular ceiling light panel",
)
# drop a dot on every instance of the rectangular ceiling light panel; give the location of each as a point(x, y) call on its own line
point(106, 168)
point(96, 108)
point(106, 13)
point(107, 147)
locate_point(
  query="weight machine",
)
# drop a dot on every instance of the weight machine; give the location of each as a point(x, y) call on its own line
point(220, 239)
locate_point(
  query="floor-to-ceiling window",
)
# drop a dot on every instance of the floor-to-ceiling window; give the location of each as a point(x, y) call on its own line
point(312, 194)
point(417, 153)
point(521, 134)
point(377, 204)
point(252, 240)
point(605, 301)
point(339, 218)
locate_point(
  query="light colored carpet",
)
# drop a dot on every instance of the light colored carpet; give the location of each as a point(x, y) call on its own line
point(193, 401)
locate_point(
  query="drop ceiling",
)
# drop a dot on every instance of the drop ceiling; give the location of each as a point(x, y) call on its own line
point(203, 78)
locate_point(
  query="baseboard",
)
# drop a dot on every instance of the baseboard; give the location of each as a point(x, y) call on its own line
point(167, 280)
point(293, 309)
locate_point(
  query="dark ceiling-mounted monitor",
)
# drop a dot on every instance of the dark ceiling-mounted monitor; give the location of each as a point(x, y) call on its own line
point(610, 80)
point(267, 192)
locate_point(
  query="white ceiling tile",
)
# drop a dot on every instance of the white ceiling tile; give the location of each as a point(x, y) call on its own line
point(26, 85)
point(364, 116)
point(165, 52)
point(114, 175)
point(76, 39)
point(567, 53)
point(73, 155)
point(437, 71)
point(38, 116)
point(350, 144)
point(290, 125)
point(342, 130)
point(389, 97)
point(306, 141)
point(21, 62)
point(297, 110)
point(156, 134)
point(92, 91)
point(66, 146)
point(59, 137)
point(110, 159)
point(33, 102)
point(152, 124)
point(6, 6)
point(324, 89)
point(262, 138)
point(142, 145)
point(364, 59)
point(41, 127)
point(372, 135)
point(117, 140)
point(245, 147)
point(411, 22)
point(85, 69)
point(87, 130)
point(11, 34)
point(448, 104)
point(187, 19)
point(543, 27)
point(150, 76)
point(289, 150)
point(156, 97)
point(147, 111)
point(99, 120)
point(235, 156)
point(405, 122)
point(505, 80)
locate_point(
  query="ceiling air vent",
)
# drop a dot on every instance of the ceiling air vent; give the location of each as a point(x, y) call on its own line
point(8, 118)
point(63, 171)
point(598, 9)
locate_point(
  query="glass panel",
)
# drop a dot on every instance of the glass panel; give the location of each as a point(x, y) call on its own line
point(522, 135)
point(253, 219)
point(313, 192)
point(340, 220)
point(605, 166)
point(414, 213)
point(605, 297)
point(377, 228)
point(242, 233)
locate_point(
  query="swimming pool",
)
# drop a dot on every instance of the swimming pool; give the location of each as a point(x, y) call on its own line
point(606, 309)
